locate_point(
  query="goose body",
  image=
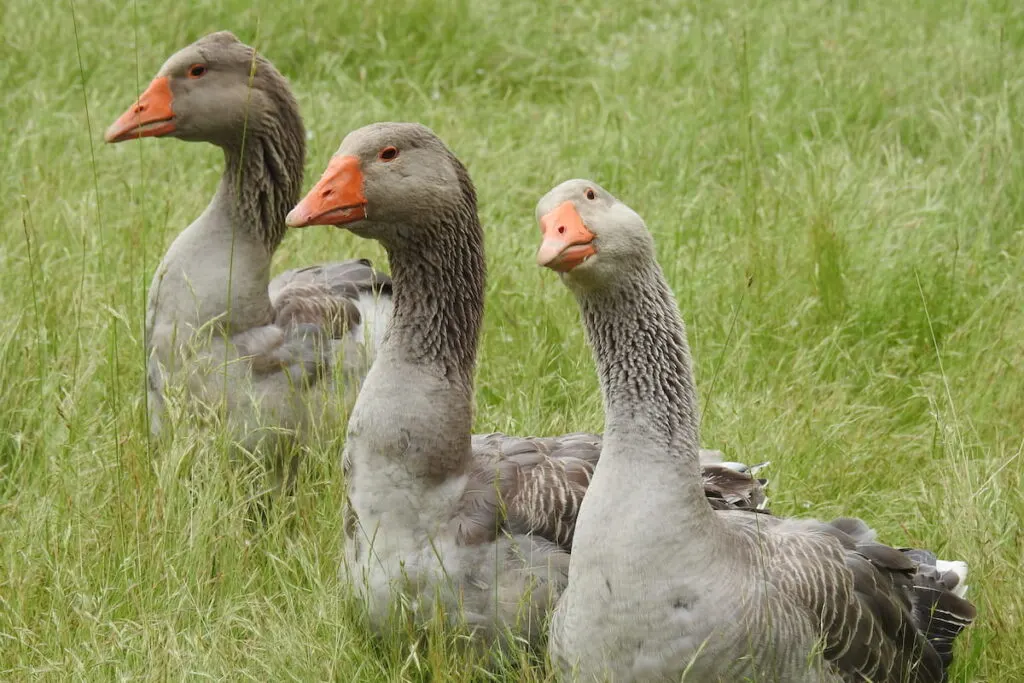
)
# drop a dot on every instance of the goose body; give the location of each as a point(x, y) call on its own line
point(480, 525)
point(253, 350)
point(713, 595)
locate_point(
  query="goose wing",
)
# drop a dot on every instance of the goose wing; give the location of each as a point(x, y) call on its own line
point(885, 614)
point(338, 296)
point(535, 485)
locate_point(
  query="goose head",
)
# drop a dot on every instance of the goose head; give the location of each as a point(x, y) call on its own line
point(589, 236)
point(387, 181)
point(210, 91)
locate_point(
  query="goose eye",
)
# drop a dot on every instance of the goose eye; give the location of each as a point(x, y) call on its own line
point(388, 153)
point(197, 71)
point(591, 194)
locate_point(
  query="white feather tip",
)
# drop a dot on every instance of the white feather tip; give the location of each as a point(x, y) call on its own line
point(960, 569)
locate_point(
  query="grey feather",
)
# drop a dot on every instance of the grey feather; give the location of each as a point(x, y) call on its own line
point(326, 294)
point(535, 485)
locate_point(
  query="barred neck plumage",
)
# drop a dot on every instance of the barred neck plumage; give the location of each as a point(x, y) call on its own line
point(639, 343)
point(439, 273)
point(264, 164)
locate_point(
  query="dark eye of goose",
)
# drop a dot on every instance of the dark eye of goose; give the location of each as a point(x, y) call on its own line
point(197, 71)
point(591, 194)
point(388, 153)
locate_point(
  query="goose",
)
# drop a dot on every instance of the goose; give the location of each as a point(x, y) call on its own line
point(479, 524)
point(216, 324)
point(709, 595)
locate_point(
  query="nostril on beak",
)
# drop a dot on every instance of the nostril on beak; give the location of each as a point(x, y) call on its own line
point(328, 192)
point(561, 229)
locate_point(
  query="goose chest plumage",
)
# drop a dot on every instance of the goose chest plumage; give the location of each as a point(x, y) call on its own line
point(712, 595)
point(482, 522)
point(239, 346)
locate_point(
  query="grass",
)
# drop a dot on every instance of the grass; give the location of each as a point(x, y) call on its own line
point(837, 192)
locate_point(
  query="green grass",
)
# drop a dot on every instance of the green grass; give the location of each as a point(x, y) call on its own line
point(837, 192)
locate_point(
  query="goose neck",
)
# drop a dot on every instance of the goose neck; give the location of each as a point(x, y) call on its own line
point(263, 170)
point(439, 297)
point(643, 358)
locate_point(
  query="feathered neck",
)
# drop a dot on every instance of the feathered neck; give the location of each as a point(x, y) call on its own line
point(439, 273)
point(643, 358)
point(264, 164)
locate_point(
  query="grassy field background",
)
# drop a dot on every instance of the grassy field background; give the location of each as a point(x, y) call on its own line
point(837, 193)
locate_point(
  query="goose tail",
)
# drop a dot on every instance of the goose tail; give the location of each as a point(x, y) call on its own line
point(733, 485)
point(941, 609)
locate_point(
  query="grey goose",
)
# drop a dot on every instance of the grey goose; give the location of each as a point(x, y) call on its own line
point(217, 326)
point(702, 594)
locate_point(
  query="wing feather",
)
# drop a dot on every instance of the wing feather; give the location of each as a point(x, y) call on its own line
point(320, 304)
point(535, 485)
point(875, 605)
point(327, 294)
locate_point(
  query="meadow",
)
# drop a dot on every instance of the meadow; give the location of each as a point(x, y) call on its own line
point(837, 193)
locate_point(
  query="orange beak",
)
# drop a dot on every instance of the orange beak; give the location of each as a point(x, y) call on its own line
point(151, 116)
point(567, 242)
point(336, 199)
